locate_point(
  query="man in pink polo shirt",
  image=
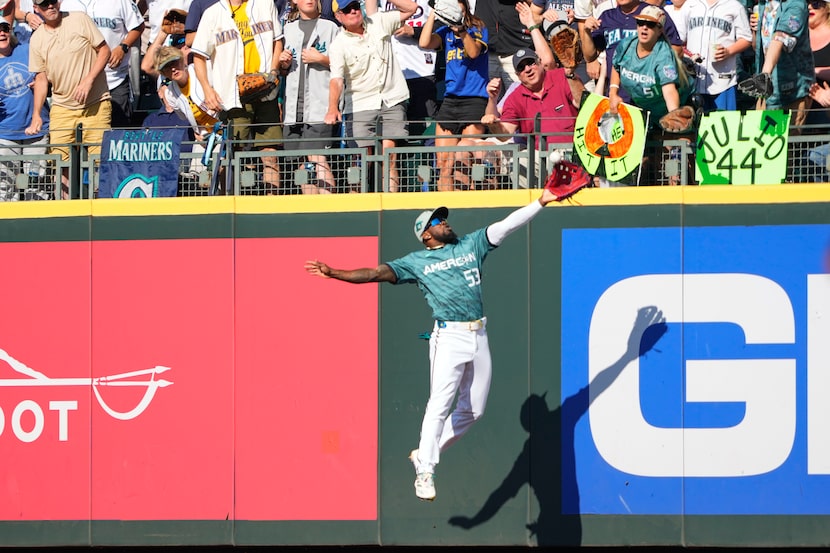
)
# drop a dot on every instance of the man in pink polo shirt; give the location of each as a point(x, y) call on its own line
point(544, 89)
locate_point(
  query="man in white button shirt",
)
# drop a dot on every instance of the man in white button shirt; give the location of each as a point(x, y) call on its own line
point(367, 74)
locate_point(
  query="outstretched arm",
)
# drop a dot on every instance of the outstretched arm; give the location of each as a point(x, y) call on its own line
point(381, 273)
point(497, 232)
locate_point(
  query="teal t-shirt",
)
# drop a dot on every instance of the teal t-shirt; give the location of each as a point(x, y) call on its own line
point(449, 277)
point(643, 78)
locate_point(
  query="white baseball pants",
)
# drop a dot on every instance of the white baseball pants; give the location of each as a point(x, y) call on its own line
point(460, 362)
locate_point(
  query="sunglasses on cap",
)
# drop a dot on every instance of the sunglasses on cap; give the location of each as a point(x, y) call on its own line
point(436, 221)
point(177, 40)
point(5, 27)
point(646, 23)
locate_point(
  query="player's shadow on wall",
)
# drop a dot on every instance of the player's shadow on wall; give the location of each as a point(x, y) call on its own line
point(547, 461)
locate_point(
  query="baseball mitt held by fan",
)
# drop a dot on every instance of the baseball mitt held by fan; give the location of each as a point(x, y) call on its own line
point(564, 42)
point(448, 12)
point(567, 179)
point(757, 86)
point(680, 120)
point(253, 86)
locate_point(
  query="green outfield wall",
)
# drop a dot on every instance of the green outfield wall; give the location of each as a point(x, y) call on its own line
point(170, 375)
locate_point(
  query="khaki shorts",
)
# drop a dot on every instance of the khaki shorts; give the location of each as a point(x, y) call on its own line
point(258, 121)
point(362, 126)
point(95, 120)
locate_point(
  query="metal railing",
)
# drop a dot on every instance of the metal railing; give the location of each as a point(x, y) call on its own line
point(489, 162)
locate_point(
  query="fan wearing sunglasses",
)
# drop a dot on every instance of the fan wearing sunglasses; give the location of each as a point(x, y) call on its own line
point(16, 104)
point(646, 67)
point(70, 49)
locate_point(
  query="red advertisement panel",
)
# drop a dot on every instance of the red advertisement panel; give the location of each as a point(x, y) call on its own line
point(44, 381)
point(307, 380)
point(162, 338)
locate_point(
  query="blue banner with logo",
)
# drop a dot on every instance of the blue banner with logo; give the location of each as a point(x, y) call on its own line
point(140, 163)
point(696, 371)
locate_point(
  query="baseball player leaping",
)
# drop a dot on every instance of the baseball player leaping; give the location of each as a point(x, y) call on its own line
point(448, 272)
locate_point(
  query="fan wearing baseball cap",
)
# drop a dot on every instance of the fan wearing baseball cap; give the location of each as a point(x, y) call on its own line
point(545, 89)
point(448, 270)
point(367, 82)
point(615, 25)
point(645, 67)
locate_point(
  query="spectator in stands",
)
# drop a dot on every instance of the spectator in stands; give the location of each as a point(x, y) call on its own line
point(164, 38)
point(307, 42)
point(650, 72)
point(506, 35)
point(782, 49)
point(465, 96)
point(718, 31)
point(544, 90)
point(647, 69)
point(121, 24)
point(69, 53)
point(613, 26)
point(365, 72)
point(819, 23)
point(182, 92)
point(242, 36)
point(594, 70)
point(194, 17)
point(418, 65)
point(17, 102)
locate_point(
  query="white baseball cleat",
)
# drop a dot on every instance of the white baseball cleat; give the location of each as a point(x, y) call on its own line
point(425, 486)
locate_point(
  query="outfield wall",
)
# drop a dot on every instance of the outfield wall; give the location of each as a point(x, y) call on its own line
point(169, 373)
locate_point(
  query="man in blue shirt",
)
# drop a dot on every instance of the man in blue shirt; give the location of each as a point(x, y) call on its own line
point(448, 272)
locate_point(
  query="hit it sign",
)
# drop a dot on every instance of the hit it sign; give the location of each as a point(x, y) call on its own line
point(726, 412)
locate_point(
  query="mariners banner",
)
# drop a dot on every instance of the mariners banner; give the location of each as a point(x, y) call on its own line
point(140, 164)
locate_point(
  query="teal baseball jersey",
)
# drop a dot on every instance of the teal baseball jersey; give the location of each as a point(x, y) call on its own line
point(643, 78)
point(449, 277)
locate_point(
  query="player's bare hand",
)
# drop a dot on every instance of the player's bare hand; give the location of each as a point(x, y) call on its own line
point(547, 197)
point(318, 268)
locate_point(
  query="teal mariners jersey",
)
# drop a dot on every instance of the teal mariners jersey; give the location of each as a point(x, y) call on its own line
point(449, 277)
point(643, 78)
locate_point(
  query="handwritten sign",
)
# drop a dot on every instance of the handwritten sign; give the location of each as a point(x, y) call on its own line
point(608, 145)
point(736, 148)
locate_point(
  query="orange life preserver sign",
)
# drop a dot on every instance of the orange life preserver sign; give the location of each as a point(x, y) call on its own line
point(609, 145)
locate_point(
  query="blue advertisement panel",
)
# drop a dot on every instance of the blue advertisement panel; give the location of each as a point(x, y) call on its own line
point(706, 352)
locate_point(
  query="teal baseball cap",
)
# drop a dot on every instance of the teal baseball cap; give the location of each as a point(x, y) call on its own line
point(422, 222)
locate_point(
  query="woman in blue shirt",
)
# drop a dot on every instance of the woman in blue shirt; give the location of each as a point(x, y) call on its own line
point(465, 97)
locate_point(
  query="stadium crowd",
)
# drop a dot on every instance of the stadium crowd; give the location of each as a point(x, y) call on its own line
point(355, 72)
